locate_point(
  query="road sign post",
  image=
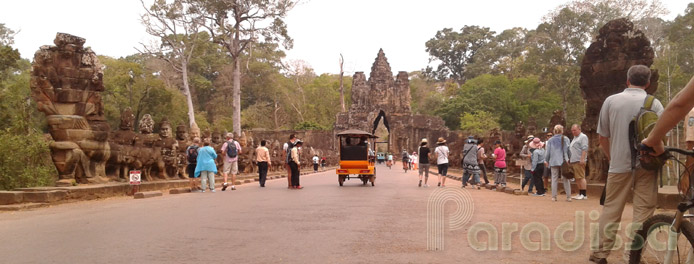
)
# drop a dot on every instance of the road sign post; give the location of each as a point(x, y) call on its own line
point(135, 180)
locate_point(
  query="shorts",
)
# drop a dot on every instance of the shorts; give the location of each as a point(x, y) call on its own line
point(579, 170)
point(231, 167)
point(190, 169)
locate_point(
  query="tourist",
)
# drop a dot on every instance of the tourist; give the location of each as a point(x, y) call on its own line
point(294, 163)
point(192, 157)
point(231, 150)
point(556, 153)
point(405, 160)
point(499, 156)
point(547, 174)
point(206, 167)
point(579, 151)
point(481, 156)
point(285, 157)
point(413, 160)
point(423, 162)
point(262, 158)
point(525, 167)
point(315, 162)
point(623, 179)
point(390, 160)
point(470, 165)
point(537, 162)
point(441, 153)
point(323, 162)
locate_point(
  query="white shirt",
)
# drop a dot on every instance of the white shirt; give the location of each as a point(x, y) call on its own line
point(616, 113)
point(315, 159)
point(441, 154)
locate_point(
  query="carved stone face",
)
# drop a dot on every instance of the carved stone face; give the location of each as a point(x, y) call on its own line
point(146, 124)
point(194, 132)
point(126, 119)
point(216, 137)
point(165, 130)
point(181, 132)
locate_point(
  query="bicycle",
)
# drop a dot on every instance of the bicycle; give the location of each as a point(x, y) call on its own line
point(658, 241)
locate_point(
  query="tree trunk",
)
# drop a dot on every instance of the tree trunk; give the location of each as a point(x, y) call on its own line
point(236, 100)
point(342, 90)
point(189, 96)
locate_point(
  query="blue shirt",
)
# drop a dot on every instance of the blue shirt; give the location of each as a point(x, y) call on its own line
point(538, 157)
point(206, 157)
point(553, 152)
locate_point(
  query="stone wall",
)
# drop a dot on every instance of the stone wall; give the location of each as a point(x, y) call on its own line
point(603, 73)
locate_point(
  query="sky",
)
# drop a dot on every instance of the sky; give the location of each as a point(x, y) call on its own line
point(321, 29)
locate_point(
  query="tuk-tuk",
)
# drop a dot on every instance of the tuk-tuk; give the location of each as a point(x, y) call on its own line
point(356, 156)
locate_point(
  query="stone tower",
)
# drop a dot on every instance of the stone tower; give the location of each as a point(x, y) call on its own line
point(387, 97)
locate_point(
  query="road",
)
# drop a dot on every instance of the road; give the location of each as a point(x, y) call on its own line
point(323, 223)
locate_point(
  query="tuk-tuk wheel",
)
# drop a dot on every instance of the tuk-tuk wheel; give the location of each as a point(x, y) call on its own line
point(341, 179)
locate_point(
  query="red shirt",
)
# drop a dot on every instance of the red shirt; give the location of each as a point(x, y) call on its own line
point(500, 154)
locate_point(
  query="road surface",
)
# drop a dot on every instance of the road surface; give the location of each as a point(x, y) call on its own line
point(323, 223)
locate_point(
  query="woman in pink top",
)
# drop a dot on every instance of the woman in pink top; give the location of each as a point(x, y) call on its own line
point(500, 164)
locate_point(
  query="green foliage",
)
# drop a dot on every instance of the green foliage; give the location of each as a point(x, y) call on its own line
point(308, 125)
point(478, 123)
point(29, 163)
point(455, 50)
point(128, 83)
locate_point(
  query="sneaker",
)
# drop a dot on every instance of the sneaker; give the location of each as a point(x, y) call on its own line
point(554, 199)
point(224, 186)
point(439, 184)
point(213, 191)
point(568, 199)
point(420, 183)
point(597, 260)
point(538, 195)
point(463, 187)
point(233, 188)
point(426, 185)
point(478, 187)
point(202, 191)
point(577, 197)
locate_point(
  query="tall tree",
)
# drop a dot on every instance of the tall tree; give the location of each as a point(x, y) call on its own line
point(237, 24)
point(454, 51)
point(177, 28)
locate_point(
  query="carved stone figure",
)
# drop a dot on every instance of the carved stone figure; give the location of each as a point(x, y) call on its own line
point(603, 73)
point(66, 83)
point(183, 143)
point(148, 155)
point(168, 147)
point(122, 141)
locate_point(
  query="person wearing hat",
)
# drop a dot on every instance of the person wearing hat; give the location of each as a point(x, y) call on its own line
point(499, 156)
point(294, 163)
point(471, 167)
point(441, 153)
point(424, 153)
point(537, 165)
point(525, 165)
point(481, 156)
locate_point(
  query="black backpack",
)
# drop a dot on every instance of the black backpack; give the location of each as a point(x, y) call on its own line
point(232, 152)
point(192, 154)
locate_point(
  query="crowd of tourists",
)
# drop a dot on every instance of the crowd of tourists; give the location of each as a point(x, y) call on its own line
point(202, 167)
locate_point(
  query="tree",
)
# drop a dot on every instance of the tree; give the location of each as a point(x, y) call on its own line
point(478, 123)
point(236, 25)
point(455, 51)
point(682, 39)
point(555, 53)
point(177, 29)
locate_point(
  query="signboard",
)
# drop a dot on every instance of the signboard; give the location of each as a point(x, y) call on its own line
point(135, 177)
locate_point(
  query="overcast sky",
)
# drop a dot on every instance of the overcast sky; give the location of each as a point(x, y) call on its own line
point(321, 29)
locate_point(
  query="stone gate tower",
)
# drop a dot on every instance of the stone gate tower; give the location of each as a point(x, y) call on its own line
point(383, 97)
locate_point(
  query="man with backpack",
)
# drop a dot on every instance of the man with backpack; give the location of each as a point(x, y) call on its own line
point(285, 156)
point(230, 150)
point(625, 176)
point(192, 158)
